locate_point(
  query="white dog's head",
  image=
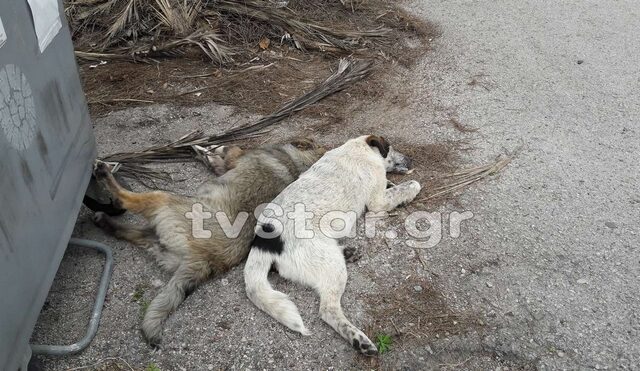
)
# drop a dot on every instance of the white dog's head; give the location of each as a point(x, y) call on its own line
point(394, 161)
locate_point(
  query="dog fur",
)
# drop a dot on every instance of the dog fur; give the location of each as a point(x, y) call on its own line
point(253, 178)
point(349, 178)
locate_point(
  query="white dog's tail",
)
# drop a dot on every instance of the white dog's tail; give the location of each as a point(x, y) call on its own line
point(275, 303)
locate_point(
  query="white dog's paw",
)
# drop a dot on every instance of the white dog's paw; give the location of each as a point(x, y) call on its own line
point(411, 191)
point(414, 185)
point(412, 188)
point(304, 331)
point(362, 344)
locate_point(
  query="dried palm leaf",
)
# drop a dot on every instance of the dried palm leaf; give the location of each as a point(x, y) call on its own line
point(89, 56)
point(140, 29)
point(127, 16)
point(305, 34)
point(179, 18)
point(348, 72)
point(208, 42)
point(181, 150)
point(465, 178)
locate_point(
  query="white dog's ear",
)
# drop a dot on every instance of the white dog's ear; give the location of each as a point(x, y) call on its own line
point(380, 143)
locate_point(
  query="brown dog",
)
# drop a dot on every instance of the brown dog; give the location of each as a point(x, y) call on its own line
point(253, 178)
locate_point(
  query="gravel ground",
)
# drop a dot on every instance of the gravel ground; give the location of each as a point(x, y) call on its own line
point(544, 275)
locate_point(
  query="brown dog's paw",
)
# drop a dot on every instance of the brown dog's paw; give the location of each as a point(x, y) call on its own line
point(103, 221)
point(99, 219)
point(101, 169)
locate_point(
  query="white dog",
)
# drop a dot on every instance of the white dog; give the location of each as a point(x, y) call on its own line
point(349, 179)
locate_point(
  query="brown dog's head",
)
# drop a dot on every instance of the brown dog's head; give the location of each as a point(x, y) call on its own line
point(394, 161)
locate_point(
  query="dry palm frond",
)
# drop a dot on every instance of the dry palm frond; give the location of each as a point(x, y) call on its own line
point(127, 16)
point(179, 150)
point(81, 13)
point(89, 56)
point(173, 18)
point(208, 41)
point(139, 29)
point(348, 72)
point(305, 34)
point(145, 175)
point(465, 178)
point(179, 18)
point(185, 149)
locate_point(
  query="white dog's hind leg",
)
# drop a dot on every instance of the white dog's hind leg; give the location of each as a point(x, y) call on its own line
point(330, 284)
point(275, 303)
point(390, 198)
point(331, 313)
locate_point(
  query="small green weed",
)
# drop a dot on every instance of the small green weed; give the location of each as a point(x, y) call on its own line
point(383, 342)
point(152, 367)
point(138, 297)
point(138, 292)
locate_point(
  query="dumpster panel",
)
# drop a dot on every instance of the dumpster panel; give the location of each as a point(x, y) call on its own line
point(46, 150)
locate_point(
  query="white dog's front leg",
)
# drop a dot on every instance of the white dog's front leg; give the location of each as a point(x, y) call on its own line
point(390, 198)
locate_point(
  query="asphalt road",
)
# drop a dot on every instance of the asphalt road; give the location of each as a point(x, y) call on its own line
point(559, 230)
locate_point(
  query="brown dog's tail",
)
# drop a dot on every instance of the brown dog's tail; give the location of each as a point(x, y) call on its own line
point(183, 282)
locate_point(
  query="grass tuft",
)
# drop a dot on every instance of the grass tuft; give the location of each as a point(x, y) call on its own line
point(383, 342)
point(138, 293)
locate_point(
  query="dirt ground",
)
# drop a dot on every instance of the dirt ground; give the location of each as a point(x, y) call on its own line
point(543, 276)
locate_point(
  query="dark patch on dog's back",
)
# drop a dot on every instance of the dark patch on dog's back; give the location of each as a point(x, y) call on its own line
point(272, 245)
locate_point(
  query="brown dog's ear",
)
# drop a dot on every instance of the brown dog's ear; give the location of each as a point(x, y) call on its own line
point(304, 144)
point(380, 143)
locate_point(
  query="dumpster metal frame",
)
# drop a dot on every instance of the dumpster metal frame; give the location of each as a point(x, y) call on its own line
point(63, 350)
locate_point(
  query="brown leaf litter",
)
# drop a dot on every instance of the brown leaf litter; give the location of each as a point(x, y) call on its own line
point(178, 55)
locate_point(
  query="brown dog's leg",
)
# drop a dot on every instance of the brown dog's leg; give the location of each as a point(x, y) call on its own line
point(141, 236)
point(142, 203)
point(186, 278)
point(231, 157)
point(224, 159)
